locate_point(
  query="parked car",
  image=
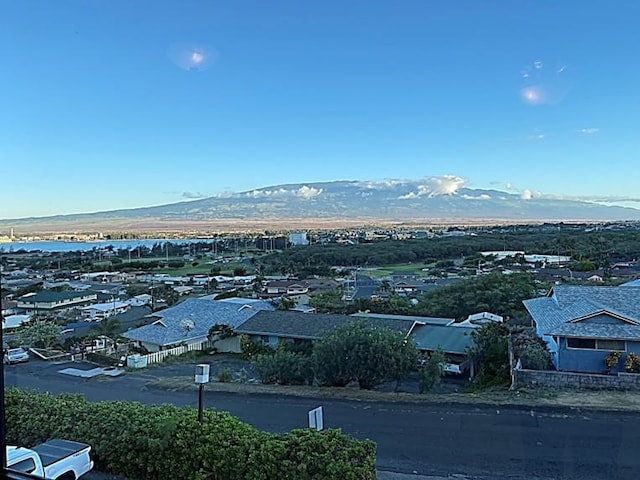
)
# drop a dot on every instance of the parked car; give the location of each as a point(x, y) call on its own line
point(56, 459)
point(16, 355)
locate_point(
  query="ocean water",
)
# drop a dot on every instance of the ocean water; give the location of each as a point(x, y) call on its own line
point(57, 246)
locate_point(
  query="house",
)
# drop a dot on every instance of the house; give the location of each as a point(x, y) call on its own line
point(413, 318)
point(49, 301)
point(476, 320)
point(453, 341)
point(271, 327)
point(8, 307)
point(140, 300)
point(100, 311)
point(189, 322)
point(584, 324)
point(129, 319)
point(286, 287)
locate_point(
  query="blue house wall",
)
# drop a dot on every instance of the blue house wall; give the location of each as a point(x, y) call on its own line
point(590, 361)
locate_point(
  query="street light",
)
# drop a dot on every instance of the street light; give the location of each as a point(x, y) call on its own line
point(202, 377)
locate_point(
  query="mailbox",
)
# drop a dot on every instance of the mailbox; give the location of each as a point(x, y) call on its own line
point(202, 373)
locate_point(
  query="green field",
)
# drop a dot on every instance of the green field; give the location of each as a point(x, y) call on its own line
point(409, 268)
point(202, 268)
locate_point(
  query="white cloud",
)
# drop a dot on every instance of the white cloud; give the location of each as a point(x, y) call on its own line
point(589, 131)
point(308, 192)
point(193, 195)
point(484, 196)
point(526, 195)
point(305, 192)
point(381, 184)
point(225, 194)
point(434, 186)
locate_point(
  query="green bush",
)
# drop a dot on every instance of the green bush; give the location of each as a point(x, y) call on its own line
point(225, 375)
point(284, 368)
point(432, 371)
point(252, 348)
point(167, 442)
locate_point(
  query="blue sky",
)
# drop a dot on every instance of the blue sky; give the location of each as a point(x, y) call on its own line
point(113, 104)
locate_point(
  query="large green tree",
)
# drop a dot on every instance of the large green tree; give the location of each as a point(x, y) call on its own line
point(490, 354)
point(39, 334)
point(369, 355)
point(495, 293)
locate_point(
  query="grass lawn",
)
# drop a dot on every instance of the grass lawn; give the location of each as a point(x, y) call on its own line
point(409, 268)
point(203, 268)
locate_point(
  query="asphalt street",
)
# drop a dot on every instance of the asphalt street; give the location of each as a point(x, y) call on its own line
point(427, 439)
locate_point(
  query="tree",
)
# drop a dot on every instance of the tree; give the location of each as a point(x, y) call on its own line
point(496, 293)
point(284, 368)
point(110, 327)
point(531, 350)
point(39, 334)
point(239, 271)
point(432, 371)
point(286, 303)
point(489, 353)
point(366, 354)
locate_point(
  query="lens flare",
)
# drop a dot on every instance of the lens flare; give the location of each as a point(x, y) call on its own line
point(191, 57)
point(543, 84)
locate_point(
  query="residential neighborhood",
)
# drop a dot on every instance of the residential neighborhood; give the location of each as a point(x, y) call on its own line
point(585, 319)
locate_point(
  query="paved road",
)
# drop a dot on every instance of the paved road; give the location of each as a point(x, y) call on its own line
point(438, 440)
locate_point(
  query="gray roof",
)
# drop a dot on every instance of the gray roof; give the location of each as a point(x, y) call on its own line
point(567, 303)
point(169, 330)
point(48, 296)
point(602, 331)
point(310, 326)
point(449, 339)
point(413, 318)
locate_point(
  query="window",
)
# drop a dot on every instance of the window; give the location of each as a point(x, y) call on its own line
point(612, 345)
point(593, 344)
point(585, 343)
point(26, 466)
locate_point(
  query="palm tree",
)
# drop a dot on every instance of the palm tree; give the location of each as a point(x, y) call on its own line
point(109, 327)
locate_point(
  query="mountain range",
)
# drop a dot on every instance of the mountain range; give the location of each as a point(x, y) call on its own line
point(430, 200)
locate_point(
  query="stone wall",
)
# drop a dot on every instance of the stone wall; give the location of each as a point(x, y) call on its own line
point(590, 381)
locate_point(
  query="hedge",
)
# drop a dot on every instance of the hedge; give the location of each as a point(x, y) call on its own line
point(167, 442)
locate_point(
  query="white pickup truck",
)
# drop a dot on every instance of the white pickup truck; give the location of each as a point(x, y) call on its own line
point(53, 460)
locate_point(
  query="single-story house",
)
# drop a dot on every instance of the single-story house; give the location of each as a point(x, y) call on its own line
point(189, 322)
point(272, 326)
point(584, 324)
point(451, 339)
point(286, 287)
point(100, 311)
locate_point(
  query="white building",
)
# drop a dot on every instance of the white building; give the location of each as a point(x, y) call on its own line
point(298, 238)
point(100, 311)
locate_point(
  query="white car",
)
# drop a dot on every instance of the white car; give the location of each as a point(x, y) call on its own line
point(16, 355)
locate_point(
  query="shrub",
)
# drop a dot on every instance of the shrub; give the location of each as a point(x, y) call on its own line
point(284, 368)
point(632, 363)
point(251, 348)
point(432, 371)
point(611, 360)
point(369, 355)
point(167, 442)
point(225, 375)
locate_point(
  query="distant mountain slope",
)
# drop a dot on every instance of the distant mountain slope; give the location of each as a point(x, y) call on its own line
point(434, 198)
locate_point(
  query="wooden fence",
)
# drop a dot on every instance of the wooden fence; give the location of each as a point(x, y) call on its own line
point(158, 357)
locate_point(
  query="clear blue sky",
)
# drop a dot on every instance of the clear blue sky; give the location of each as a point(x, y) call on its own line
point(113, 103)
